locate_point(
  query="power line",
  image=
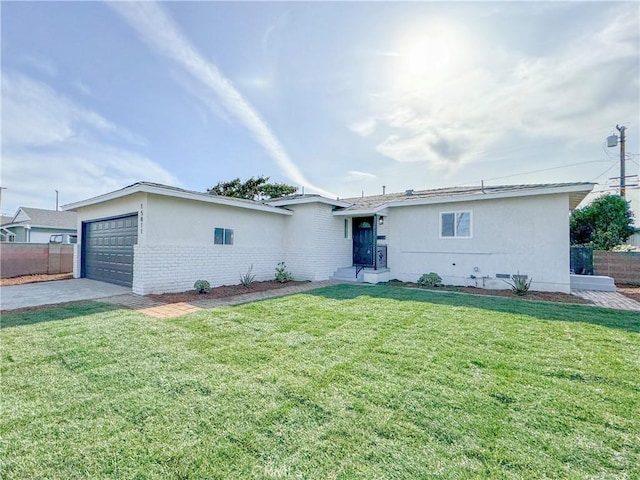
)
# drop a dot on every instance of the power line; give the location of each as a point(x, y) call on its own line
point(536, 171)
point(609, 168)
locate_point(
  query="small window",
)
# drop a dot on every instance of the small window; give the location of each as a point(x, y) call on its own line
point(223, 236)
point(455, 225)
point(346, 228)
point(228, 236)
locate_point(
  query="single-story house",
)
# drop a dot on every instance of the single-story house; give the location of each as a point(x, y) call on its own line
point(157, 238)
point(36, 225)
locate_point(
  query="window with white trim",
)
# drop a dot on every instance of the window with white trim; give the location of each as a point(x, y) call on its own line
point(223, 236)
point(455, 224)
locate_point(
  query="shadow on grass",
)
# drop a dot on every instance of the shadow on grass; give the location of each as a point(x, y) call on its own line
point(629, 321)
point(53, 313)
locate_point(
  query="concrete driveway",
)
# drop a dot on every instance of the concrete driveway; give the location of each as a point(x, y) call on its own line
point(61, 291)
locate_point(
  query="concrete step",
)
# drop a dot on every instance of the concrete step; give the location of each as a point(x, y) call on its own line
point(347, 274)
point(369, 275)
point(596, 283)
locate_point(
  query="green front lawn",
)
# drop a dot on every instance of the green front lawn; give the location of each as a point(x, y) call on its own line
point(344, 382)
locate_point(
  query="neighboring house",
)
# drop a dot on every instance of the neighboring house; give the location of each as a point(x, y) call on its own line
point(158, 239)
point(36, 225)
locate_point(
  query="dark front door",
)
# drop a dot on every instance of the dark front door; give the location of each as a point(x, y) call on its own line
point(363, 241)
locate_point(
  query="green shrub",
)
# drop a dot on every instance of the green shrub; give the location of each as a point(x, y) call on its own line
point(282, 274)
point(519, 284)
point(430, 280)
point(248, 278)
point(202, 286)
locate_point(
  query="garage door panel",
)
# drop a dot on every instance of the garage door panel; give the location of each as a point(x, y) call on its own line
point(108, 249)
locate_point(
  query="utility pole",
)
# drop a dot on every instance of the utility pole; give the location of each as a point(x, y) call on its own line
point(623, 188)
point(56, 200)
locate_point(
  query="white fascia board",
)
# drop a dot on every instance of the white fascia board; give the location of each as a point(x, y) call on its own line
point(584, 188)
point(497, 195)
point(302, 200)
point(167, 192)
point(365, 212)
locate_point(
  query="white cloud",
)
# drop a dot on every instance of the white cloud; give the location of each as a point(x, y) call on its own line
point(51, 143)
point(448, 121)
point(39, 116)
point(160, 32)
point(355, 175)
point(82, 87)
point(365, 127)
point(41, 64)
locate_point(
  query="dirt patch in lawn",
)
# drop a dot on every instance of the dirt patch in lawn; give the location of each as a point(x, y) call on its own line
point(540, 296)
point(5, 282)
point(630, 291)
point(221, 292)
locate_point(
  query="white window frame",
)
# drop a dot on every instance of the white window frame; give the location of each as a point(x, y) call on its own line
point(227, 236)
point(455, 228)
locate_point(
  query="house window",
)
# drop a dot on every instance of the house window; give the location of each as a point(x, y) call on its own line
point(223, 236)
point(455, 225)
point(346, 228)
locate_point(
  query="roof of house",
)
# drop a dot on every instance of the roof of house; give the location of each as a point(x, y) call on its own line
point(577, 191)
point(357, 205)
point(5, 219)
point(39, 217)
point(306, 198)
point(166, 190)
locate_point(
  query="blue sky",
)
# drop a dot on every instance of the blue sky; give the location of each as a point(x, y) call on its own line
point(338, 97)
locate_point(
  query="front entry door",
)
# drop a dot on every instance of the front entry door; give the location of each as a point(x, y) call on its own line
point(363, 241)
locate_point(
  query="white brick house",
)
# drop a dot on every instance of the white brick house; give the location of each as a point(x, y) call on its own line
point(159, 239)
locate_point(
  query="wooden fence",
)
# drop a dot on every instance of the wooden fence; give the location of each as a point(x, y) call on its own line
point(623, 267)
point(17, 259)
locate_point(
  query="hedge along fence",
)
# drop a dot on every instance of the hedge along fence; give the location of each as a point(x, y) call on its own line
point(623, 267)
point(17, 259)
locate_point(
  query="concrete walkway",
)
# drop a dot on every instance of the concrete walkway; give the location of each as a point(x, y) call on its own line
point(170, 310)
point(60, 291)
point(613, 300)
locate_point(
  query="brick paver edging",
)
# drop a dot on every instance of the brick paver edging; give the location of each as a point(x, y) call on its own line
point(613, 300)
point(170, 310)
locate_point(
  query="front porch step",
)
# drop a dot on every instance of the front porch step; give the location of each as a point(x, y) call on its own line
point(347, 274)
point(369, 275)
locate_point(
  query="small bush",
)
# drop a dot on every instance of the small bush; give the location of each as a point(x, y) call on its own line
point(202, 286)
point(430, 280)
point(282, 274)
point(519, 284)
point(248, 278)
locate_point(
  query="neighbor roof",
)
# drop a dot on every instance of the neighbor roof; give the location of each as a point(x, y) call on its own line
point(46, 218)
point(375, 203)
point(166, 190)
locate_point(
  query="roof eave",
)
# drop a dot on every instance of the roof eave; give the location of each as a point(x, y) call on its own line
point(582, 188)
point(303, 200)
point(157, 190)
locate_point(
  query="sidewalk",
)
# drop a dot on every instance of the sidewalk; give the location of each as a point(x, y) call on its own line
point(170, 310)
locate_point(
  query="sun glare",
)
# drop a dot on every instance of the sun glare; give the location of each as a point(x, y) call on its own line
point(429, 56)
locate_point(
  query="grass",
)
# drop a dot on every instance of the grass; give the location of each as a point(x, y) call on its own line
point(345, 382)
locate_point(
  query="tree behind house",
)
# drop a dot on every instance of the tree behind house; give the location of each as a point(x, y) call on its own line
point(603, 224)
point(255, 188)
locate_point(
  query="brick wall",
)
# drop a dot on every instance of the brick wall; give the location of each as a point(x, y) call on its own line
point(315, 243)
point(17, 259)
point(175, 268)
point(623, 267)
